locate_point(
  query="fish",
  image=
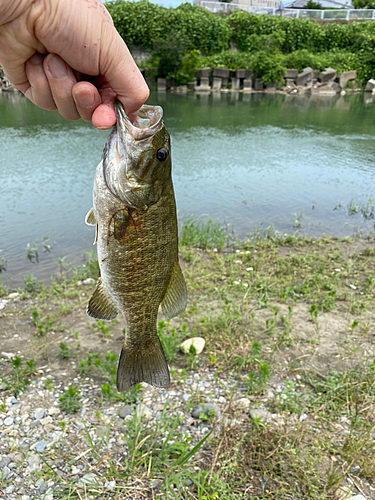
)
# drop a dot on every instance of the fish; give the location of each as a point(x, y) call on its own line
point(134, 213)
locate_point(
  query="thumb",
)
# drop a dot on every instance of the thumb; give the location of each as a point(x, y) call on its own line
point(118, 67)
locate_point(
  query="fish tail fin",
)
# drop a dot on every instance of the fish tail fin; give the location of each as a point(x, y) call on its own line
point(142, 365)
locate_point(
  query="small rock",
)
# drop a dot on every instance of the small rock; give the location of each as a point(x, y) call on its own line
point(88, 479)
point(89, 281)
point(39, 413)
point(303, 417)
point(5, 461)
point(197, 342)
point(155, 484)
point(14, 295)
point(205, 410)
point(110, 485)
point(242, 403)
point(5, 472)
point(186, 396)
point(25, 497)
point(357, 497)
point(143, 410)
point(33, 460)
point(222, 400)
point(353, 287)
point(10, 489)
point(41, 446)
point(264, 415)
point(125, 411)
point(14, 401)
point(8, 421)
point(8, 355)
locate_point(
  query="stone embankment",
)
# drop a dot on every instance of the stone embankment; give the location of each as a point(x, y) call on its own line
point(328, 82)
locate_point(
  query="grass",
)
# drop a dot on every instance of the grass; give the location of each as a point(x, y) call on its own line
point(281, 318)
point(20, 376)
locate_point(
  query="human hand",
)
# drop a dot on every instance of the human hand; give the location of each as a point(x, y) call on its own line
point(67, 55)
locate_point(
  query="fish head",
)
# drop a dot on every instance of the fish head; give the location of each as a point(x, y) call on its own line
point(136, 158)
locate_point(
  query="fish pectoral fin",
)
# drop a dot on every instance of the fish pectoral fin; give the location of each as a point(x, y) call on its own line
point(100, 305)
point(142, 364)
point(175, 298)
point(90, 218)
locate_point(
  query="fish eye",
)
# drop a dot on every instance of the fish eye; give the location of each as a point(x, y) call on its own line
point(161, 154)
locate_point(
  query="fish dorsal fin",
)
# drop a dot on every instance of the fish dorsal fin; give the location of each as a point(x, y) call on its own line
point(90, 218)
point(100, 305)
point(174, 300)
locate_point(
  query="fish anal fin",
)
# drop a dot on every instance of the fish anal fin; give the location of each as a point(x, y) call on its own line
point(175, 298)
point(100, 305)
point(146, 364)
point(90, 218)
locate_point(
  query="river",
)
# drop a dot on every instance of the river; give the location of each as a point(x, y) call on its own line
point(248, 160)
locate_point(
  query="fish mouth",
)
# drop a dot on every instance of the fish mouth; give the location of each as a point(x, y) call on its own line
point(148, 121)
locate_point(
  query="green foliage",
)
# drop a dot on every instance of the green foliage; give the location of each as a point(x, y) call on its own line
point(227, 59)
point(313, 5)
point(140, 23)
point(202, 234)
point(170, 340)
point(64, 351)
point(43, 323)
point(268, 67)
point(69, 400)
point(20, 377)
point(363, 4)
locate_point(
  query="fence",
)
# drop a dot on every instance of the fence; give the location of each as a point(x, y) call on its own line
point(270, 7)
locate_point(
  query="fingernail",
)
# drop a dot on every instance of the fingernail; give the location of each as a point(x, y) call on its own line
point(57, 67)
point(85, 99)
point(36, 59)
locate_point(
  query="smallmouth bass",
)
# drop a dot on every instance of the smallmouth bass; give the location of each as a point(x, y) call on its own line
point(134, 212)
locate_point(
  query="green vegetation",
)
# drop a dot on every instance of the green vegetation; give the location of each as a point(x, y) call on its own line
point(266, 44)
point(20, 376)
point(287, 320)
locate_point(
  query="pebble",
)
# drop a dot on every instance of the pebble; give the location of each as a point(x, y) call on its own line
point(197, 342)
point(9, 489)
point(39, 413)
point(353, 287)
point(88, 281)
point(5, 472)
point(14, 295)
point(357, 497)
point(8, 421)
point(41, 446)
point(125, 411)
point(8, 355)
point(143, 410)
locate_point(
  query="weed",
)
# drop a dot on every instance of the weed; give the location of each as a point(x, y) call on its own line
point(20, 377)
point(170, 340)
point(29, 283)
point(3, 262)
point(104, 327)
point(48, 384)
point(200, 234)
point(69, 400)
point(43, 324)
point(32, 253)
point(297, 220)
point(64, 351)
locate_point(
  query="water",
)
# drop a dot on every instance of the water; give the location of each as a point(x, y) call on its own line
point(249, 160)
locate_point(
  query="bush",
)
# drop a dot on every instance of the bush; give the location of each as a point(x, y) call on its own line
point(140, 23)
point(268, 67)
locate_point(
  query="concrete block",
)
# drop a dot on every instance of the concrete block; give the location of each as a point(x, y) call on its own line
point(203, 73)
point(205, 82)
point(221, 73)
point(242, 73)
point(290, 73)
point(161, 84)
point(216, 83)
point(271, 87)
point(235, 83)
point(335, 86)
point(327, 75)
point(370, 86)
point(345, 77)
point(258, 84)
point(305, 77)
point(289, 82)
point(247, 84)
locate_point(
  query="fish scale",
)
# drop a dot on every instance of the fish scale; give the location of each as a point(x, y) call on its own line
point(134, 213)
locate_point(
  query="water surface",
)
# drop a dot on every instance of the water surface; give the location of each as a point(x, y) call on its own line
point(246, 159)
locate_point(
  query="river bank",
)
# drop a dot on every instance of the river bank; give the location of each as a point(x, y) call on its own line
point(287, 368)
